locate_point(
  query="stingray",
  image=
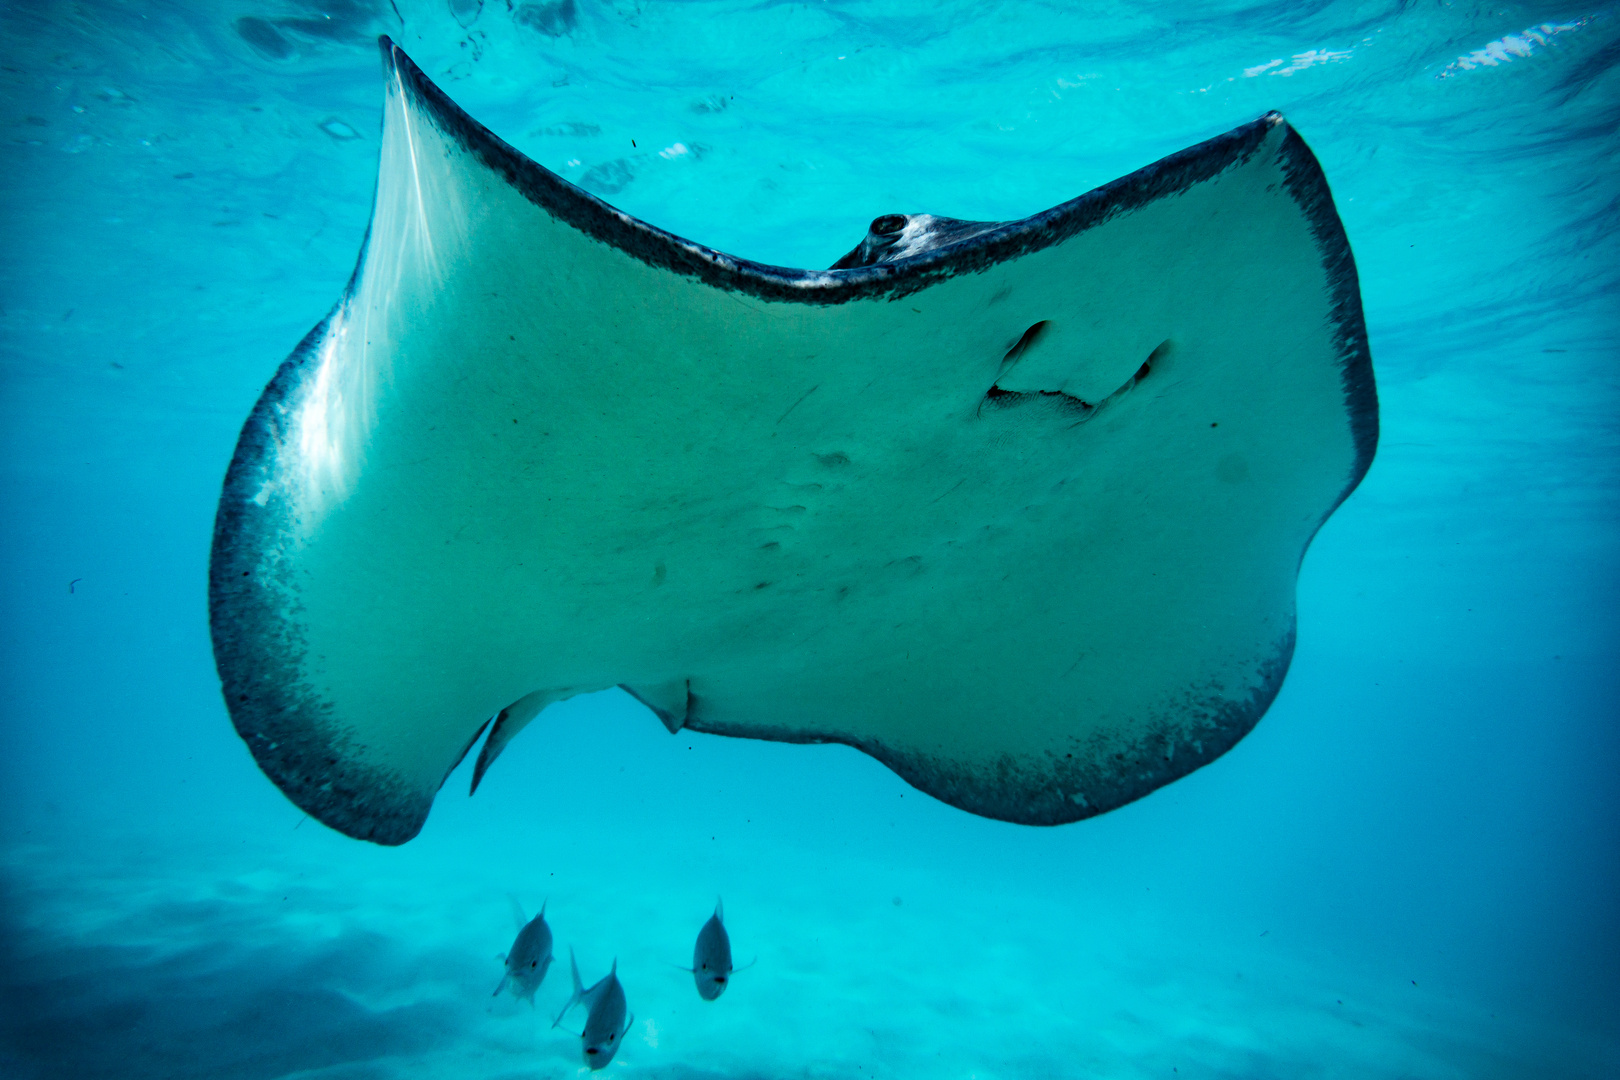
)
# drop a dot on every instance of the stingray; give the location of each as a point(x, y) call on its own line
point(1017, 508)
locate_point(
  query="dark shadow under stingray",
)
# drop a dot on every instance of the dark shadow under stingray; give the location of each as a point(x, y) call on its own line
point(241, 1006)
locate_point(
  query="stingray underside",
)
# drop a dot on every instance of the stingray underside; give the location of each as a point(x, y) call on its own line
point(1018, 508)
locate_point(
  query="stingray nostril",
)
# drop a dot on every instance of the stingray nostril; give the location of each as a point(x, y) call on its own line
point(888, 225)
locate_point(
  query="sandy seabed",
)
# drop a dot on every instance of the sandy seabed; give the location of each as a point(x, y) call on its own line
point(245, 960)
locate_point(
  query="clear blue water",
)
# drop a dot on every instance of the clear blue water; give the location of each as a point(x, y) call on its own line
point(1410, 869)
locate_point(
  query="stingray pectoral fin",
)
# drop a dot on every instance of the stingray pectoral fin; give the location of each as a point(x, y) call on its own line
point(540, 443)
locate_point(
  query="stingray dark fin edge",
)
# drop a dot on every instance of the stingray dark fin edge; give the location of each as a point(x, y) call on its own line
point(1305, 181)
point(1049, 798)
point(895, 280)
point(259, 658)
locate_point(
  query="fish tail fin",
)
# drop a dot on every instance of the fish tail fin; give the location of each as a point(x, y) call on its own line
point(517, 911)
point(543, 904)
point(579, 988)
point(719, 909)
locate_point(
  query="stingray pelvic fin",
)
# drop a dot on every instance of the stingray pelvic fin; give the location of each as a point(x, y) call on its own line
point(669, 701)
point(511, 720)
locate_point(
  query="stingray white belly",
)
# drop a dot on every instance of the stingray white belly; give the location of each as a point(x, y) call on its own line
point(1016, 508)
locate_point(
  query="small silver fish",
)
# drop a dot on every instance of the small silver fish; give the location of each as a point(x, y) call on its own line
point(605, 1022)
point(529, 958)
point(711, 959)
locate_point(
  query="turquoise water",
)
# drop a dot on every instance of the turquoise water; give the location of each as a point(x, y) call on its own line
point(1409, 869)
